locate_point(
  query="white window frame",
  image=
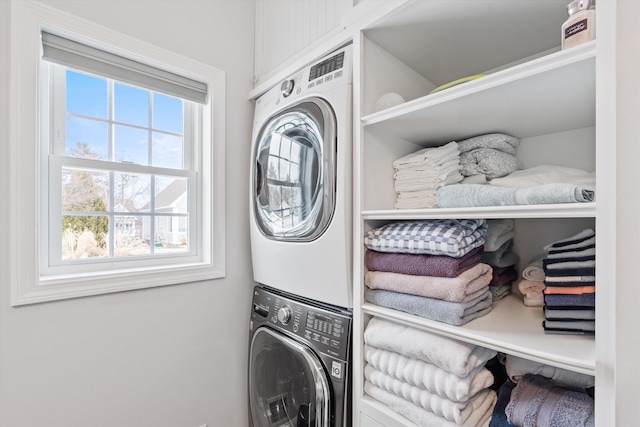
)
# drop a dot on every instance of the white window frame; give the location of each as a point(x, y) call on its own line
point(27, 235)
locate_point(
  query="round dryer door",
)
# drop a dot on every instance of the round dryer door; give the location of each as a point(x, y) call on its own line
point(295, 172)
point(288, 386)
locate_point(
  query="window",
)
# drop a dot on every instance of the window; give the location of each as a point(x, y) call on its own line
point(120, 171)
point(130, 177)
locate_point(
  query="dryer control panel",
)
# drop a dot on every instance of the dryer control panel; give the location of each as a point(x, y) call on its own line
point(325, 328)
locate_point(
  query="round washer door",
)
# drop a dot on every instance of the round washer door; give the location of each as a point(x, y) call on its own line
point(295, 172)
point(288, 386)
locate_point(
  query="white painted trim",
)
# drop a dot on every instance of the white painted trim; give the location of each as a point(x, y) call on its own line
point(27, 285)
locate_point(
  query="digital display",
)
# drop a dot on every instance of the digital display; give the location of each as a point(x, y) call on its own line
point(325, 325)
point(327, 66)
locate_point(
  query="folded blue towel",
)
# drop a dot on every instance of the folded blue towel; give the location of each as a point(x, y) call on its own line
point(453, 313)
point(474, 195)
point(582, 240)
point(499, 417)
point(573, 300)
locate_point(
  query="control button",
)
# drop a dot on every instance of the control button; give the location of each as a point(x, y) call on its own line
point(328, 78)
point(310, 85)
point(335, 343)
point(298, 91)
point(337, 74)
point(284, 314)
point(318, 82)
point(295, 327)
point(336, 369)
point(287, 87)
point(325, 340)
point(307, 334)
point(316, 337)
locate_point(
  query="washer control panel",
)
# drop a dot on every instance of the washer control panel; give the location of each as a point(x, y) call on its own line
point(326, 329)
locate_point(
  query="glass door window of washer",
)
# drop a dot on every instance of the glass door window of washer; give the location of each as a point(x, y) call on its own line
point(288, 385)
point(294, 175)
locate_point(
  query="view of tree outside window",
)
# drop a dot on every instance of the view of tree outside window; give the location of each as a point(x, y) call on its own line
point(123, 202)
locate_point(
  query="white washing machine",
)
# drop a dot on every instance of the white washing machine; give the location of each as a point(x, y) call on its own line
point(301, 171)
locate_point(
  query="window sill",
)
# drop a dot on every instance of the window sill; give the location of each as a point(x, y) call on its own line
point(61, 287)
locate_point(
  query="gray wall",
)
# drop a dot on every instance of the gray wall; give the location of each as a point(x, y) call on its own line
point(171, 356)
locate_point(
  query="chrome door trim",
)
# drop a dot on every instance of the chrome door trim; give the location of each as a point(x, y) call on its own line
point(325, 130)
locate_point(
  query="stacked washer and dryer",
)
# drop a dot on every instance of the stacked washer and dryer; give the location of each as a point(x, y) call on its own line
point(300, 221)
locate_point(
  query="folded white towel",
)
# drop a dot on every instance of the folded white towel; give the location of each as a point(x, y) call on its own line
point(534, 270)
point(517, 367)
point(428, 376)
point(564, 279)
point(479, 417)
point(498, 232)
point(453, 356)
point(435, 155)
point(545, 174)
point(458, 412)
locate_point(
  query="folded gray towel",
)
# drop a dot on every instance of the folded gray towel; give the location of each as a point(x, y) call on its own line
point(498, 141)
point(453, 313)
point(503, 257)
point(474, 195)
point(489, 162)
point(535, 402)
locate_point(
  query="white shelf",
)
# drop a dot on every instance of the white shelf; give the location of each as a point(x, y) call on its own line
point(512, 328)
point(565, 210)
point(494, 103)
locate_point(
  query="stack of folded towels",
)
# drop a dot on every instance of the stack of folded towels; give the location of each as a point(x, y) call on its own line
point(569, 296)
point(498, 253)
point(419, 175)
point(541, 395)
point(429, 379)
point(532, 286)
point(429, 268)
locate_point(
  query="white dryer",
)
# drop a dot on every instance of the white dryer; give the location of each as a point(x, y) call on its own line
point(301, 169)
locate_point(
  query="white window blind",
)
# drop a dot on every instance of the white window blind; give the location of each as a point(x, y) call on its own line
point(70, 53)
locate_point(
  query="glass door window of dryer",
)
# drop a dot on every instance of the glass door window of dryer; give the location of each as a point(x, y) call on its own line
point(288, 386)
point(295, 172)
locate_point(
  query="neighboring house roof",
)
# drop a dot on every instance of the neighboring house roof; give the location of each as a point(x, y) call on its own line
point(168, 196)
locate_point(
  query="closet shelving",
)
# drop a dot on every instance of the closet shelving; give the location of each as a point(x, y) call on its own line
point(533, 90)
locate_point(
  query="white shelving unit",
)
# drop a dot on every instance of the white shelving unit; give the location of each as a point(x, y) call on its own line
point(534, 91)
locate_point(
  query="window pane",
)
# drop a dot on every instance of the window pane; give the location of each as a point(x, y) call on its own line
point(167, 113)
point(167, 151)
point(131, 145)
point(131, 235)
point(87, 139)
point(84, 236)
point(85, 190)
point(86, 95)
point(169, 238)
point(131, 105)
point(131, 192)
point(171, 195)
